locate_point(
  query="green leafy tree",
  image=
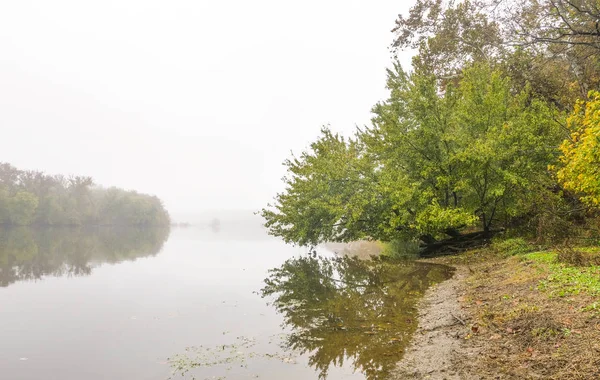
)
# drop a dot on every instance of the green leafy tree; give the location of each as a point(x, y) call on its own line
point(471, 153)
point(328, 195)
point(507, 142)
point(436, 160)
point(413, 143)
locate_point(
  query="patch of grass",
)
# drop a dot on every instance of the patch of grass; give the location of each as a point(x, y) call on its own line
point(542, 257)
point(563, 279)
point(511, 247)
point(593, 307)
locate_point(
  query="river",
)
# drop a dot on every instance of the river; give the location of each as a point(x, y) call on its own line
point(227, 302)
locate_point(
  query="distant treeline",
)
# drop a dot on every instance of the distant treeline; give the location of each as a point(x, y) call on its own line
point(29, 197)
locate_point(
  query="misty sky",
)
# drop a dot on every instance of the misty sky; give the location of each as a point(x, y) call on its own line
point(195, 101)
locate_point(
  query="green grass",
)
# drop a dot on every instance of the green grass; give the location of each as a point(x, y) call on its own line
point(542, 257)
point(564, 280)
point(511, 246)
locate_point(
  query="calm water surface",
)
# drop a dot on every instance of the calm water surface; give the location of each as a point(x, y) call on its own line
point(226, 303)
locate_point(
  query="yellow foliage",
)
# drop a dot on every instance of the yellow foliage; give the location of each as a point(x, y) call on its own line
point(580, 169)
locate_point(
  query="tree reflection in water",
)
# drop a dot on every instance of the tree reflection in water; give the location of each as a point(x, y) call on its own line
point(30, 254)
point(344, 308)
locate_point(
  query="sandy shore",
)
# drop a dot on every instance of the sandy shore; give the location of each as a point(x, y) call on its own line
point(438, 343)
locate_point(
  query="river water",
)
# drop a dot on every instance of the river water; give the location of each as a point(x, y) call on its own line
point(223, 303)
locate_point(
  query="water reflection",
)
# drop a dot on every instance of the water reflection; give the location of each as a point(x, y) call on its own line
point(29, 253)
point(344, 308)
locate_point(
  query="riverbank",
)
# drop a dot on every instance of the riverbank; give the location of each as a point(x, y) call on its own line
point(437, 341)
point(519, 317)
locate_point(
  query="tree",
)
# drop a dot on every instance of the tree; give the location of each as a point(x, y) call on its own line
point(328, 196)
point(448, 36)
point(4, 205)
point(554, 45)
point(552, 22)
point(562, 31)
point(436, 160)
point(580, 161)
point(412, 140)
point(21, 208)
point(468, 152)
point(33, 197)
point(507, 142)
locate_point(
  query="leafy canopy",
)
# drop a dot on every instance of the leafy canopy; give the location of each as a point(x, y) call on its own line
point(436, 159)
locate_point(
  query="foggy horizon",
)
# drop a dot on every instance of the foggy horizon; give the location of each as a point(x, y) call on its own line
point(197, 103)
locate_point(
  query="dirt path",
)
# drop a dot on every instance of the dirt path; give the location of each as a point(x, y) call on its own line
point(438, 342)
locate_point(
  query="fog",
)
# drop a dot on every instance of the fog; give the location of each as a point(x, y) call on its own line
point(197, 102)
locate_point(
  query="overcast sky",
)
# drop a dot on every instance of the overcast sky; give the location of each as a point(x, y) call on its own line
point(195, 101)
